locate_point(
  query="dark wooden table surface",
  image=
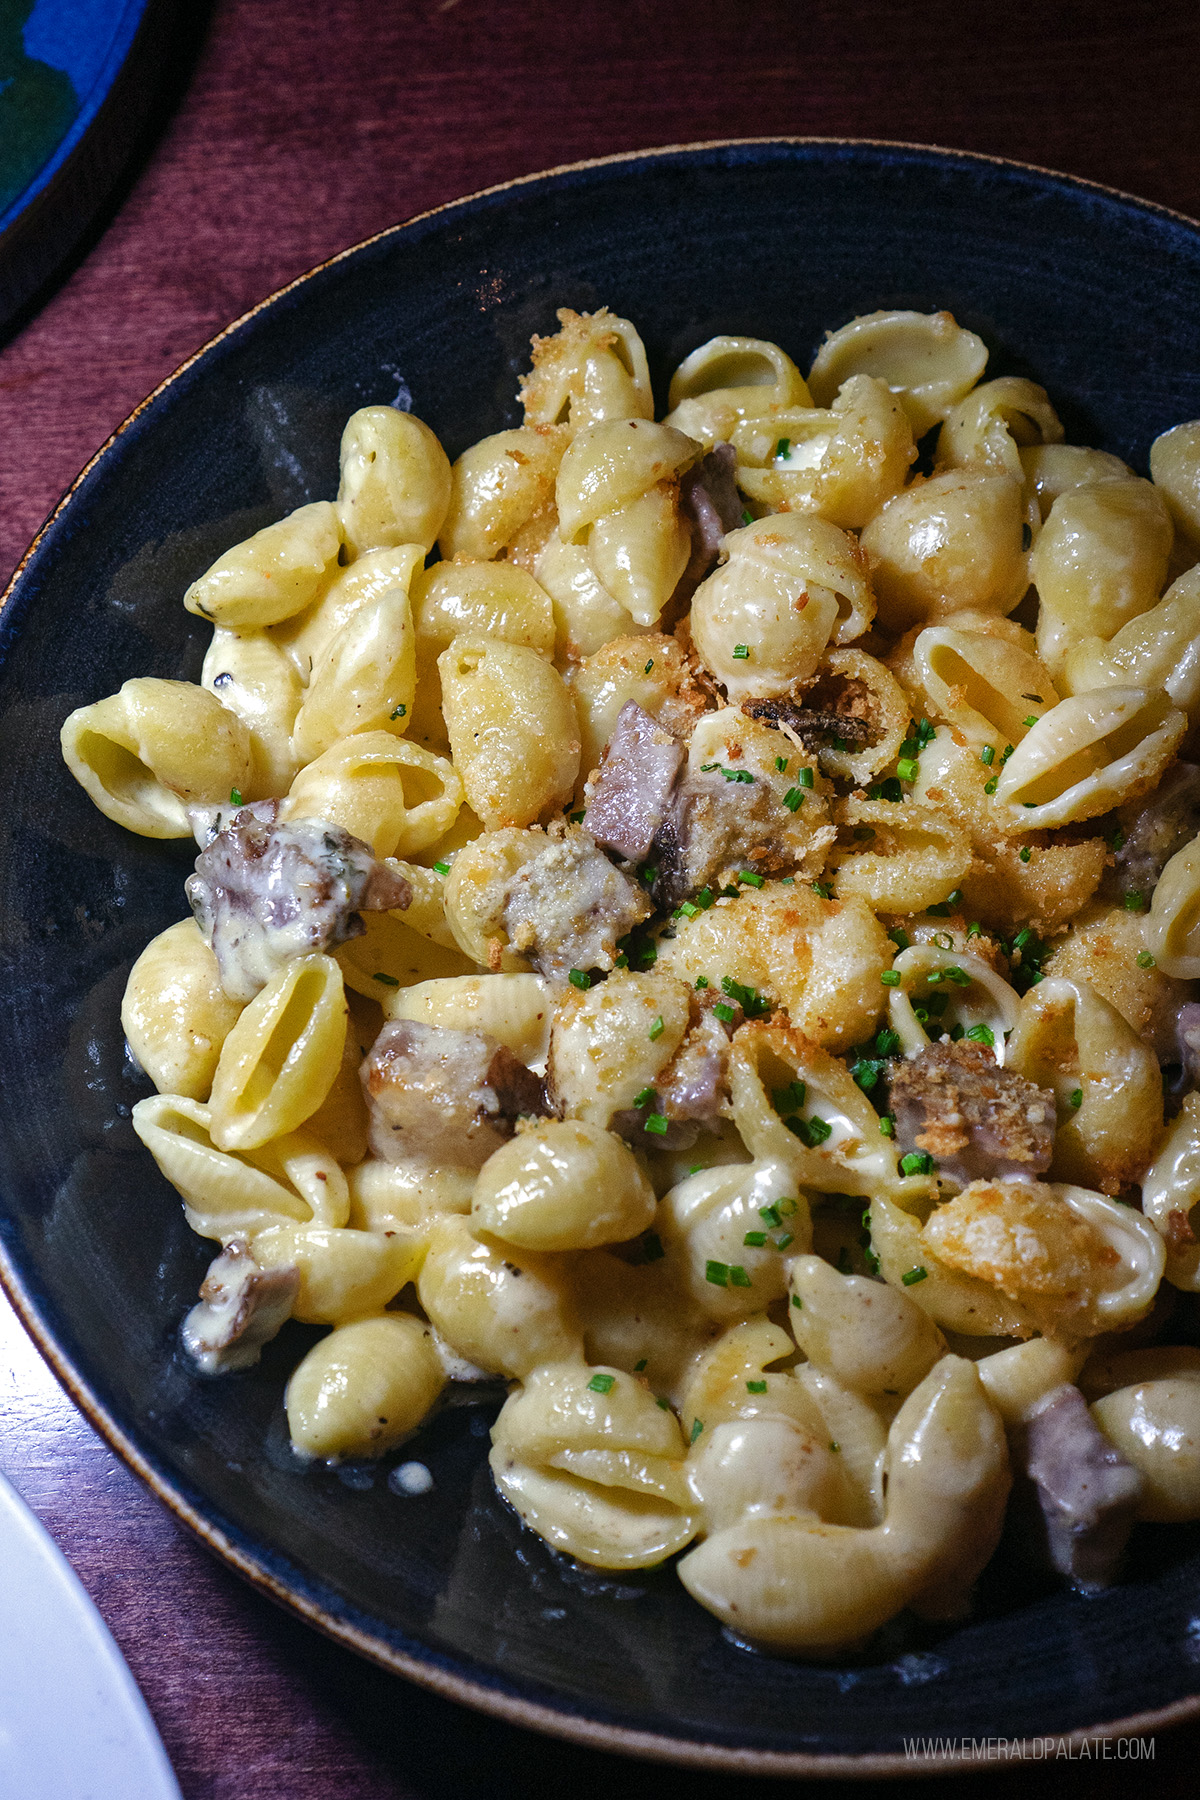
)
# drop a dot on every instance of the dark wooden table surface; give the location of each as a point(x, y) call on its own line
point(291, 129)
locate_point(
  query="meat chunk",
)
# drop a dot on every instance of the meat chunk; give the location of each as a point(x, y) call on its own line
point(708, 496)
point(711, 824)
point(630, 793)
point(241, 1308)
point(567, 906)
point(1156, 826)
point(693, 1089)
point(440, 1095)
point(976, 1120)
point(1088, 1493)
point(263, 893)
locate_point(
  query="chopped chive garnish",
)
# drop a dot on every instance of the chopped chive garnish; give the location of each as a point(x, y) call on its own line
point(794, 799)
point(645, 1098)
point(1030, 721)
point(663, 1402)
point(746, 997)
point(756, 1387)
point(1076, 1100)
point(1134, 900)
point(1145, 960)
point(1008, 750)
point(987, 755)
point(399, 712)
point(603, 1384)
point(798, 1303)
point(705, 898)
point(784, 448)
point(702, 981)
point(834, 1445)
point(819, 888)
point(724, 1013)
point(387, 980)
point(235, 797)
point(958, 976)
point(891, 978)
point(887, 1125)
point(657, 1029)
point(872, 1262)
point(975, 929)
point(1117, 840)
point(887, 1042)
point(576, 818)
point(804, 777)
point(781, 1243)
point(639, 1366)
point(781, 763)
point(441, 868)
point(899, 937)
point(747, 516)
point(755, 1240)
point(907, 769)
point(685, 910)
point(770, 1214)
point(983, 1034)
point(917, 1162)
point(648, 667)
point(697, 1428)
point(656, 1123)
point(989, 787)
point(738, 1276)
point(811, 1132)
point(1024, 853)
point(751, 877)
point(741, 652)
point(911, 1277)
point(579, 978)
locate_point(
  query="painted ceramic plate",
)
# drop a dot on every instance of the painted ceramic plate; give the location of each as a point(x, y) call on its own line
point(1096, 296)
point(77, 81)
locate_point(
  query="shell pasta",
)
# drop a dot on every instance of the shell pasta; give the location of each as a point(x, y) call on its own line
point(696, 944)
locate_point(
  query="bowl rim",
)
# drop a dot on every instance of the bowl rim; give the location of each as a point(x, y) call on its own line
point(563, 1723)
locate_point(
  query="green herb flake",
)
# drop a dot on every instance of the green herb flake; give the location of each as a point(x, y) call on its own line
point(917, 1162)
point(834, 1445)
point(1145, 960)
point(819, 888)
point(657, 1029)
point(872, 1262)
point(781, 763)
point(907, 769)
point(603, 1384)
point(1076, 1100)
point(756, 1387)
point(724, 1013)
point(987, 755)
point(751, 877)
point(974, 929)
point(738, 1276)
point(754, 1240)
point(887, 1125)
point(399, 712)
point(1024, 853)
point(576, 818)
point(891, 978)
point(697, 1428)
point(989, 787)
point(798, 1303)
point(747, 516)
point(717, 1273)
point(639, 1366)
point(648, 667)
point(746, 997)
point(387, 980)
point(741, 652)
point(685, 910)
point(442, 868)
point(770, 1214)
point(887, 1042)
point(804, 778)
point(702, 981)
point(899, 937)
point(1134, 900)
point(794, 799)
point(911, 1277)
point(1030, 721)
point(1117, 840)
point(645, 1098)
point(579, 978)
point(235, 797)
point(663, 1403)
point(983, 1034)
point(781, 1243)
point(784, 448)
point(656, 1124)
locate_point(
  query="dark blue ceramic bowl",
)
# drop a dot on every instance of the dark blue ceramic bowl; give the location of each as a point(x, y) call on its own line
point(1096, 296)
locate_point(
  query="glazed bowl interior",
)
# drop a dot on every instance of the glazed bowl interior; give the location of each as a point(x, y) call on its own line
point(1096, 297)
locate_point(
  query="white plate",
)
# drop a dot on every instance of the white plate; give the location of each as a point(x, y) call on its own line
point(73, 1725)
